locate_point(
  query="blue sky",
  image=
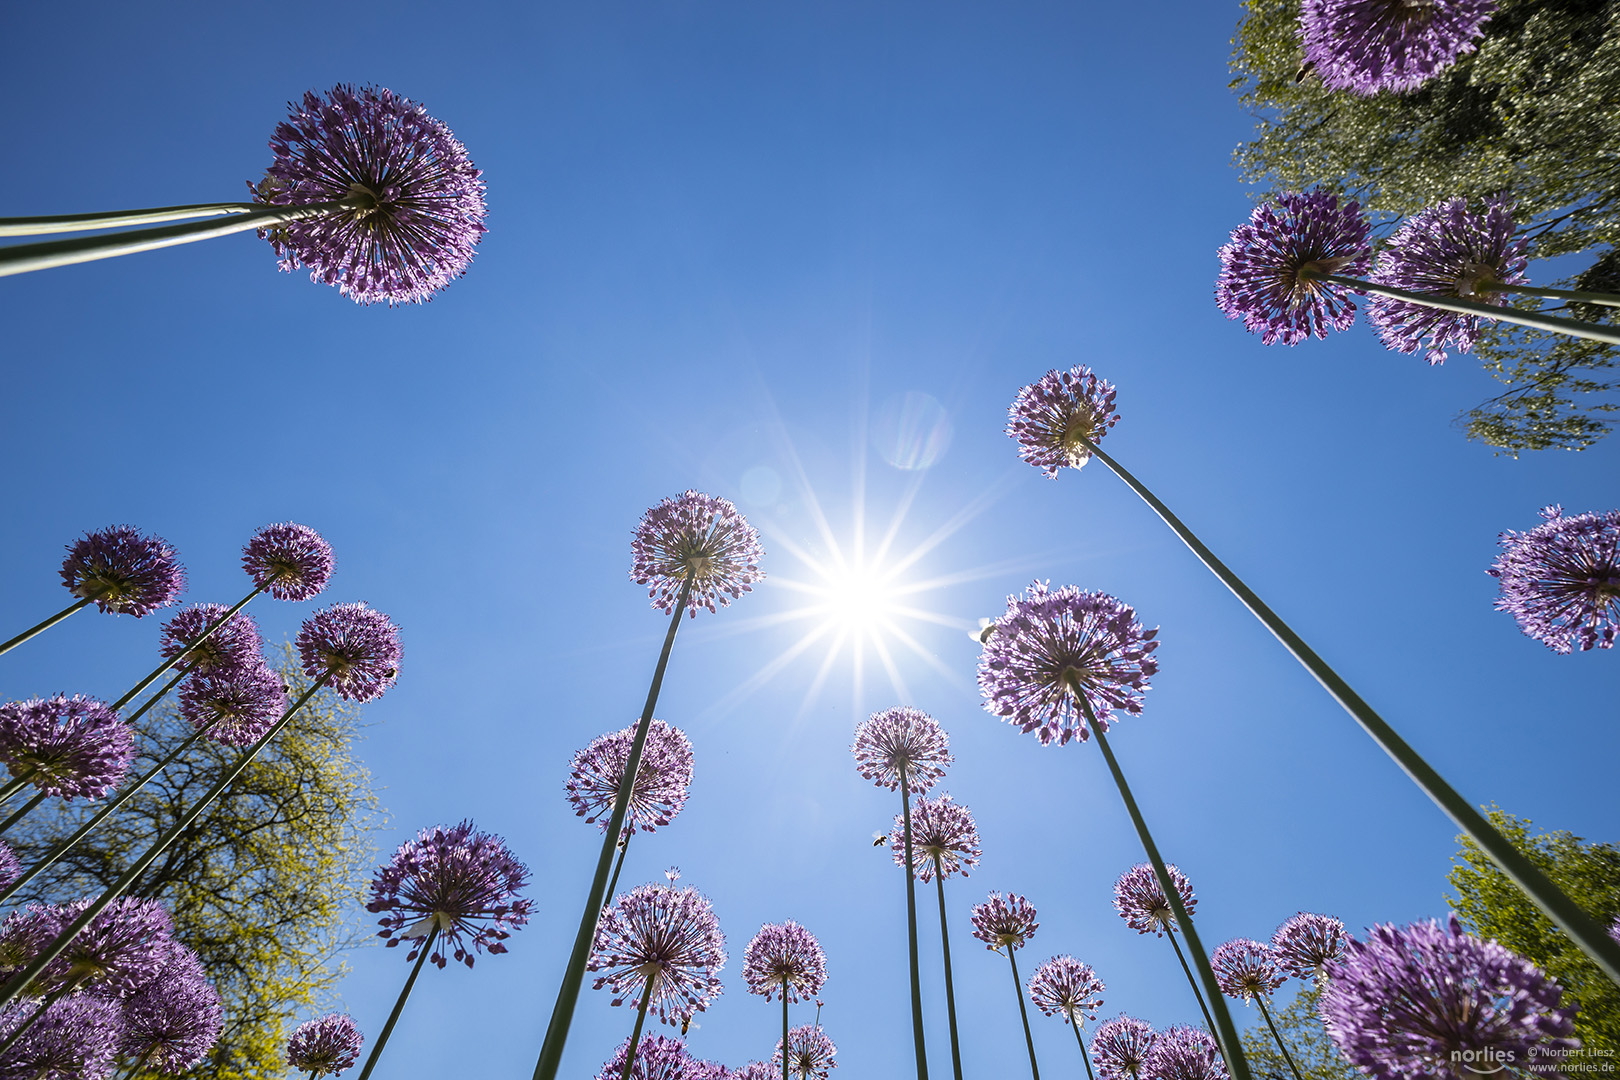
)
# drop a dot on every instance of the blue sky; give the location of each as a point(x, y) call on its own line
point(729, 244)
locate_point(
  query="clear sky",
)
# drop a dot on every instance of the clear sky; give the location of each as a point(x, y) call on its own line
point(801, 256)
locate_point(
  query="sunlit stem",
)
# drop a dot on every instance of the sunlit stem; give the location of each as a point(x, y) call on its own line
point(1575, 295)
point(21, 812)
point(911, 931)
point(66, 223)
point(641, 1018)
point(1588, 935)
point(14, 785)
point(1023, 1013)
point(950, 991)
point(1209, 1021)
point(784, 1031)
point(1275, 1034)
point(161, 669)
point(46, 625)
point(155, 698)
point(1084, 1057)
point(399, 1003)
point(613, 883)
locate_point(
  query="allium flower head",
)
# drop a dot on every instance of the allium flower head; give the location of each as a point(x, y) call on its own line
point(325, 1046)
point(423, 202)
point(1446, 251)
point(9, 866)
point(1185, 1053)
point(1121, 1047)
point(123, 571)
point(809, 1053)
point(1051, 639)
point(25, 933)
point(661, 784)
point(1261, 280)
point(784, 958)
point(120, 951)
point(662, 931)
point(1404, 1001)
point(357, 645)
point(1245, 969)
point(235, 707)
point(1004, 922)
point(696, 536)
point(1365, 46)
point(657, 1058)
point(1049, 417)
point(901, 739)
point(1065, 987)
point(290, 560)
point(1142, 903)
point(1561, 580)
point(457, 879)
point(1305, 944)
point(76, 1039)
point(173, 1021)
point(943, 838)
point(72, 747)
point(757, 1070)
point(235, 644)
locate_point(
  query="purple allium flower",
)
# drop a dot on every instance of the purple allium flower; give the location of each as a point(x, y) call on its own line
point(1185, 1053)
point(1065, 987)
point(291, 560)
point(120, 951)
point(76, 1039)
point(1446, 251)
point(657, 1058)
point(424, 202)
point(356, 645)
point(124, 572)
point(325, 1046)
point(668, 933)
point(943, 838)
point(698, 536)
point(455, 878)
point(901, 739)
point(661, 783)
point(1004, 922)
point(1305, 944)
point(1142, 903)
point(73, 747)
point(235, 707)
point(235, 644)
point(1404, 1002)
point(1245, 969)
point(24, 933)
point(174, 1020)
point(9, 866)
point(757, 1070)
point(1121, 1047)
point(1048, 418)
point(1048, 638)
point(809, 1053)
point(1561, 580)
point(1261, 282)
point(784, 958)
point(1370, 45)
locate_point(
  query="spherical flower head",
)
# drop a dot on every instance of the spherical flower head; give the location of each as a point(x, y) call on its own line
point(1185, 1053)
point(1004, 922)
point(173, 1021)
point(698, 537)
point(1245, 969)
point(670, 934)
point(25, 933)
point(784, 958)
point(72, 747)
point(809, 1053)
point(1053, 645)
point(1403, 1003)
point(124, 572)
point(1365, 46)
point(325, 1046)
point(657, 1058)
point(1141, 902)
point(234, 644)
point(1305, 944)
point(455, 878)
point(662, 779)
point(1266, 266)
point(1053, 418)
point(944, 839)
point(1561, 580)
point(356, 648)
point(9, 866)
point(119, 952)
point(77, 1038)
point(1065, 987)
point(234, 707)
point(290, 560)
point(1446, 251)
point(901, 741)
point(757, 1070)
point(1121, 1047)
point(420, 209)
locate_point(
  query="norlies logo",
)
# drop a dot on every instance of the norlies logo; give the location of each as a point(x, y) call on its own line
point(1484, 1061)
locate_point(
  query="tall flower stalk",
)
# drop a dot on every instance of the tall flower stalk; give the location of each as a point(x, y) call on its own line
point(1065, 987)
point(786, 959)
point(1248, 969)
point(1008, 924)
point(1141, 902)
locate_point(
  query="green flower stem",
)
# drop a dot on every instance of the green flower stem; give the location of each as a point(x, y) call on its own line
point(1275, 1034)
point(1209, 1021)
point(950, 991)
point(13, 786)
point(1588, 935)
point(22, 811)
point(911, 932)
point(624, 847)
point(1572, 327)
point(1084, 1057)
point(1029, 1040)
point(155, 698)
point(168, 664)
point(46, 625)
point(1606, 299)
point(784, 1031)
point(20, 982)
point(635, 1033)
point(399, 1003)
point(562, 1013)
point(66, 223)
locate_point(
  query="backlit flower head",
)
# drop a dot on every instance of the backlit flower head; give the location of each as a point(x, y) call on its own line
point(235, 707)
point(1561, 580)
point(901, 739)
point(325, 1046)
point(1142, 903)
point(1307, 943)
point(784, 958)
point(1004, 922)
point(1051, 639)
point(1185, 1053)
point(422, 209)
point(123, 572)
point(76, 1039)
point(658, 1057)
point(1048, 418)
point(1365, 46)
point(173, 1021)
point(696, 536)
point(1121, 1046)
point(943, 838)
point(664, 931)
point(1446, 251)
point(290, 560)
point(1260, 280)
point(757, 1070)
point(1065, 987)
point(235, 644)
point(457, 879)
point(809, 1053)
point(9, 866)
point(73, 747)
point(357, 646)
point(1405, 1000)
point(120, 951)
point(662, 779)
point(1246, 969)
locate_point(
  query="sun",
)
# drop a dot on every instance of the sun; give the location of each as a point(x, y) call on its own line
point(856, 599)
